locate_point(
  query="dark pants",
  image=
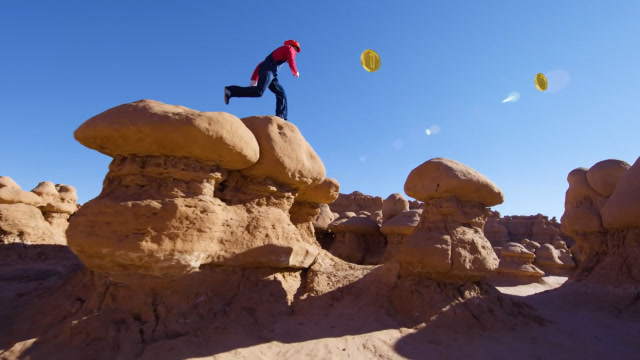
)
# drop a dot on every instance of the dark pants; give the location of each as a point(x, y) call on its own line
point(268, 77)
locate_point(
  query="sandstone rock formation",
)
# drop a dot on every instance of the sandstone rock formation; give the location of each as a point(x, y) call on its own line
point(358, 240)
point(539, 228)
point(356, 201)
point(603, 219)
point(516, 261)
point(449, 242)
point(397, 231)
point(555, 261)
point(39, 216)
point(188, 188)
point(393, 205)
point(532, 246)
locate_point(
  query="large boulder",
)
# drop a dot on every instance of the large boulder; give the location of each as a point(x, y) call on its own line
point(325, 192)
point(603, 176)
point(440, 178)
point(148, 127)
point(285, 155)
point(393, 205)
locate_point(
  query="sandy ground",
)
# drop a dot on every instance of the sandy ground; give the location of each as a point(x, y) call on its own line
point(580, 323)
point(546, 283)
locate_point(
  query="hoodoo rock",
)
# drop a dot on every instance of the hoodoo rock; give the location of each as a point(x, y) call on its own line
point(188, 188)
point(603, 219)
point(517, 261)
point(449, 242)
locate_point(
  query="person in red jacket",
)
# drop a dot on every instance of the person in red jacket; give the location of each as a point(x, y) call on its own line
point(266, 76)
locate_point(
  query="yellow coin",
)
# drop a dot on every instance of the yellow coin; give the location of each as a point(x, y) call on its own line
point(370, 60)
point(541, 82)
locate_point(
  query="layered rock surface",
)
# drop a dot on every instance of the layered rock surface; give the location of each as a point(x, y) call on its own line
point(539, 228)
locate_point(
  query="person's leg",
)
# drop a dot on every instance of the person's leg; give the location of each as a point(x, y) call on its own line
point(252, 91)
point(281, 98)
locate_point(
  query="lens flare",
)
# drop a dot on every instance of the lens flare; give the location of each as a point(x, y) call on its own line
point(512, 97)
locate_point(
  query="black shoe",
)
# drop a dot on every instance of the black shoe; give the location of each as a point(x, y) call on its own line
point(227, 95)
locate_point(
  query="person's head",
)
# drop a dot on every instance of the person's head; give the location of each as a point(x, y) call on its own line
point(294, 44)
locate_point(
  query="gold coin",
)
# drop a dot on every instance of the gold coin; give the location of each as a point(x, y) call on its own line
point(370, 60)
point(541, 82)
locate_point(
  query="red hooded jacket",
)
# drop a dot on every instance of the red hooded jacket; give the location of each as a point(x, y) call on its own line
point(285, 52)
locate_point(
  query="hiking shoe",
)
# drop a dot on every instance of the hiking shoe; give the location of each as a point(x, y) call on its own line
point(227, 96)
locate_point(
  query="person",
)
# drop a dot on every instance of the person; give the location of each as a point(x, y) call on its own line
point(266, 76)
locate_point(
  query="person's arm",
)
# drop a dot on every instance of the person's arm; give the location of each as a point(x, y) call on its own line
point(291, 59)
point(255, 76)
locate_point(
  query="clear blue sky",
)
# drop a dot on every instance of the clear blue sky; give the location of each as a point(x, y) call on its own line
point(445, 63)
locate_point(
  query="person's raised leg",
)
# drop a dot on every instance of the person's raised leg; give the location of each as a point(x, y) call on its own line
point(250, 91)
point(281, 98)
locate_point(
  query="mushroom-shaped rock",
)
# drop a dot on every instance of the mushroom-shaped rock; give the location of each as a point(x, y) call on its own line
point(324, 193)
point(554, 261)
point(166, 211)
point(602, 176)
point(515, 259)
point(622, 209)
point(152, 128)
point(285, 155)
point(516, 250)
point(403, 223)
point(11, 193)
point(441, 178)
point(532, 246)
point(548, 255)
point(393, 205)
